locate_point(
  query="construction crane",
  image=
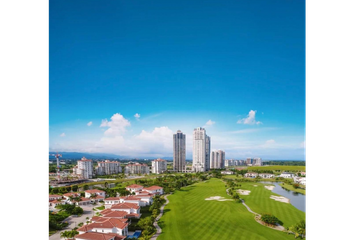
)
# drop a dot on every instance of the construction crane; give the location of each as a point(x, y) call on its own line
point(58, 166)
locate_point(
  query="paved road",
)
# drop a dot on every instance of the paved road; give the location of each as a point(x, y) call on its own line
point(73, 221)
point(158, 229)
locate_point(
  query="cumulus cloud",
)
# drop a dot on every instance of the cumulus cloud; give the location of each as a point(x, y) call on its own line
point(209, 123)
point(137, 116)
point(89, 123)
point(117, 125)
point(62, 135)
point(250, 119)
point(157, 142)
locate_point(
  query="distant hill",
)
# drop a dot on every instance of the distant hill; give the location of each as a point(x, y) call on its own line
point(79, 155)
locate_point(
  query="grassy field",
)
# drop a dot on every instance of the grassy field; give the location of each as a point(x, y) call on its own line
point(290, 187)
point(190, 216)
point(278, 168)
point(260, 202)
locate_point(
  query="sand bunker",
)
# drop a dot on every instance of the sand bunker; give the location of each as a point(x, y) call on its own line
point(218, 198)
point(269, 187)
point(280, 199)
point(255, 185)
point(243, 192)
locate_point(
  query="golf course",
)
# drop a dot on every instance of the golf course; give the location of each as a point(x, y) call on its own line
point(188, 215)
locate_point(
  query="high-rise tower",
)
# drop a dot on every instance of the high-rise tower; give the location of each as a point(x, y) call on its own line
point(201, 150)
point(179, 151)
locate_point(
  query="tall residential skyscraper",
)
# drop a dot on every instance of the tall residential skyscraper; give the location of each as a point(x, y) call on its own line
point(179, 151)
point(217, 159)
point(201, 150)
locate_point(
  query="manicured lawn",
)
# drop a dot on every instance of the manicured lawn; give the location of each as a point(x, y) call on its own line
point(290, 187)
point(260, 202)
point(190, 216)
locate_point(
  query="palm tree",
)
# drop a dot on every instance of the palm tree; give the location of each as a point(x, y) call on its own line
point(64, 234)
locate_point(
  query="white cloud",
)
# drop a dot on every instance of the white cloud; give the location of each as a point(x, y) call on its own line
point(209, 123)
point(137, 116)
point(89, 123)
point(271, 141)
point(250, 119)
point(62, 135)
point(116, 126)
point(303, 144)
point(156, 143)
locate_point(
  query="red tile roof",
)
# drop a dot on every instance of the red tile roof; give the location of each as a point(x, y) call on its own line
point(113, 198)
point(152, 188)
point(94, 191)
point(125, 206)
point(106, 223)
point(108, 210)
point(55, 196)
point(133, 198)
point(99, 236)
point(74, 194)
point(115, 214)
point(134, 186)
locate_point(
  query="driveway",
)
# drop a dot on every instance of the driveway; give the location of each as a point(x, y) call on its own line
point(73, 221)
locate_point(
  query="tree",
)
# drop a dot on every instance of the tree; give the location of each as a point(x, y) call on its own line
point(75, 188)
point(55, 190)
point(296, 185)
point(86, 187)
point(270, 219)
point(64, 234)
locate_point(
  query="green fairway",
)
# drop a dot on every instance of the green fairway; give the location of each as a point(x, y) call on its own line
point(190, 216)
point(260, 202)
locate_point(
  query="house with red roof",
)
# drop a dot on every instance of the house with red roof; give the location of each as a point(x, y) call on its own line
point(132, 209)
point(106, 225)
point(134, 188)
point(71, 194)
point(108, 202)
point(133, 199)
point(89, 193)
point(55, 197)
point(99, 236)
point(108, 213)
point(154, 190)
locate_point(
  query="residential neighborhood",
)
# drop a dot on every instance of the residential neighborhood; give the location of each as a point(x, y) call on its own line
point(113, 221)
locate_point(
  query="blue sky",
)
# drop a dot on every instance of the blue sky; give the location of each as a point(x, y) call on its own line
point(235, 67)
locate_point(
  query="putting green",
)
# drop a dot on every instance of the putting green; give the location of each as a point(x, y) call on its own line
point(190, 216)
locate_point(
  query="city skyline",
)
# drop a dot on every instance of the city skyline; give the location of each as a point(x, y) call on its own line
point(235, 68)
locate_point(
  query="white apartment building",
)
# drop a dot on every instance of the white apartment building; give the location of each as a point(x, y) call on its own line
point(217, 159)
point(137, 168)
point(287, 175)
point(201, 150)
point(158, 166)
point(84, 168)
point(229, 162)
point(257, 161)
point(108, 167)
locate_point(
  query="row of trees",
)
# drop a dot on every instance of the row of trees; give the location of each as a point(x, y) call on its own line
point(69, 234)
